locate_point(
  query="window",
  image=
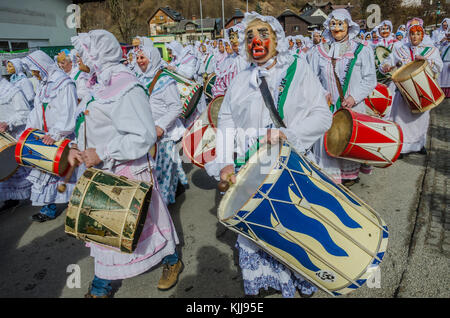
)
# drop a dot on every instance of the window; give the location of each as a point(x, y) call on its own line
point(4, 46)
point(296, 28)
point(17, 46)
point(161, 17)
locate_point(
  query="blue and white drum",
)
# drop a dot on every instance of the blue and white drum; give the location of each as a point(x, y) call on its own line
point(296, 213)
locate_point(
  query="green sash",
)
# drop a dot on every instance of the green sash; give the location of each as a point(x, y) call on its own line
point(207, 63)
point(284, 89)
point(76, 76)
point(334, 108)
point(81, 118)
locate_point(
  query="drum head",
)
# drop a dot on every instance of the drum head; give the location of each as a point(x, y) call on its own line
point(8, 164)
point(213, 110)
point(408, 71)
point(382, 53)
point(340, 133)
point(64, 162)
point(250, 179)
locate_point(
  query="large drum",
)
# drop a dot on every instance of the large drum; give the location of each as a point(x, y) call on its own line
point(365, 139)
point(209, 83)
point(8, 165)
point(379, 101)
point(31, 151)
point(190, 92)
point(199, 140)
point(381, 53)
point(418, 86)
point(109, 210)
point(297, 214)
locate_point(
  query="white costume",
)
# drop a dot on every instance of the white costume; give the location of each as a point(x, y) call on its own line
point(389, 41)
point(166, 108)
point(414, 126)
point(14, 111)
point(121, 111)
point(439, 34)
point(306, 116)
point(57, 95)
point(362, 82)
point(444, 80)
point(20, 80)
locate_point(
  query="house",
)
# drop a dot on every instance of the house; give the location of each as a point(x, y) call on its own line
point(163, 21)
point(196, 30)
point(292, 23)
point(237, 17)
point(325, 6)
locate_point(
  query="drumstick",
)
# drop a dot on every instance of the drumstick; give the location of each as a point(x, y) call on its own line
point(223, 186)
point(63, 186)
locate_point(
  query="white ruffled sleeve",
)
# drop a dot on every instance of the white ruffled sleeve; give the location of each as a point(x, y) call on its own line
point(132, 118)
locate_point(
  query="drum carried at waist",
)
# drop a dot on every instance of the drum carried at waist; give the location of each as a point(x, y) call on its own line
point(8, 164)
point(381, 53)
point(297, 214)
point(379, 101)
point(365, 139)
point(108, 210)
point(190, 92)
point(199, 140)
point(418, 86)
point(31, 151)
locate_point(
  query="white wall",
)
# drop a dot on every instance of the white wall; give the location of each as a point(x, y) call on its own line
point(41, 21)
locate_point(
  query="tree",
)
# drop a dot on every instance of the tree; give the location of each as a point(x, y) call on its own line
point(258, 8)
point(125, 14)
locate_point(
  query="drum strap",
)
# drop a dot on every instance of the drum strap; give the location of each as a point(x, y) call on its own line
point(153, 83)
point(347, 79)
point(268, 101)
point(44, 107)
point(207, 63)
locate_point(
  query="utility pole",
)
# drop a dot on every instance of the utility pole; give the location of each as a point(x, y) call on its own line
point(223, 19)
point(201, 18)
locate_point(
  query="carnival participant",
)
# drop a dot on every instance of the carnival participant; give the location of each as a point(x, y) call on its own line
point(346, 70)
point(438, 36)
point(166, 108)
point(20, 80)
point(304, 112)
point(400, 36)
point(67, 62)
point(414, 126)
point(444, 80)
point(14, 111)
point(54, 112)
point(225, 71)
point(207, 63)
point(387, 39)
point(182, 61)
point(316, 37)
point(375, 38)
point(120, 110)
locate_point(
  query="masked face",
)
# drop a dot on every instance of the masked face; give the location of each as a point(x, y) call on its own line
point(291, 44)
point(385, 31)
point(10, 68)
point(65, 65)
point(170, 54)
point(36, 74)
point(228, 48)
point(234, 38)
point(444, 26)
point(416, 37)
point(317, 38)
point(339, 29)
point(142, 61)
point(375, 36)
point(298, 43)
point(261, 42)
point(203, 48)
point(399, 37)
point(221, 47)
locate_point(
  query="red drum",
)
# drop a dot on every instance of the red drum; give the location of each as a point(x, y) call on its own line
point(31, 151)
point(199, 140)
point(418, 85)
point(379, 101)
point(363, 138)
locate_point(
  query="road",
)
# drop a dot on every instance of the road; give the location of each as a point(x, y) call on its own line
point(411, 196)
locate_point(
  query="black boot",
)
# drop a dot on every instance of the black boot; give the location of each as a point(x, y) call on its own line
point(423, 151)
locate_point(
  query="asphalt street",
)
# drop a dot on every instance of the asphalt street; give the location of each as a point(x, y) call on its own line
point(36, 259)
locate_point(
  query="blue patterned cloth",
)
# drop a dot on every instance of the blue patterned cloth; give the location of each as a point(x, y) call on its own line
point(169, 170)
point(260, 270)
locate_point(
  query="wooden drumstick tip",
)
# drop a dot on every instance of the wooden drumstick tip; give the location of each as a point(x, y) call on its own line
point(62, 188)
point(223, 186)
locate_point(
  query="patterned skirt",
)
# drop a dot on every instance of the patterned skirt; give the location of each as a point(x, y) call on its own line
point(17, 187)
point(169, 170)
point(260, 270)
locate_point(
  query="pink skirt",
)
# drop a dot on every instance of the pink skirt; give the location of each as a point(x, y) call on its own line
point(158, 238)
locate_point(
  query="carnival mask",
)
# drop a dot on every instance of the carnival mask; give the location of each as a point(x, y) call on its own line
point(234, 38)
point(317, 38)
point(136, 42)
point(228, 48)
point(142, 61)
point(444, 26)
point(221, 47)
point(416, 35)
point(261, 41)
point(64, 62)
point(10, 68)
point(298, 43)
point(385, 31)
point(339, 29)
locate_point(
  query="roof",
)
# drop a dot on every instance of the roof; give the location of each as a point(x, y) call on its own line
point(288, 13)
point(84, 1)
point(208, 24)
point(174, 15)
point(319, 20)
point(237, 14)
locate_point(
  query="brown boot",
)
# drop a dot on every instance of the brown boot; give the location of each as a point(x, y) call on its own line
point(169, 276)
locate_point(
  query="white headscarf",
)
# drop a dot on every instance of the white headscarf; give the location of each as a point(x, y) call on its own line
point(152, 53)
point(342, 15)
point(19, 68)
point(177, 50)
point(101, 50)
point(385, 22)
